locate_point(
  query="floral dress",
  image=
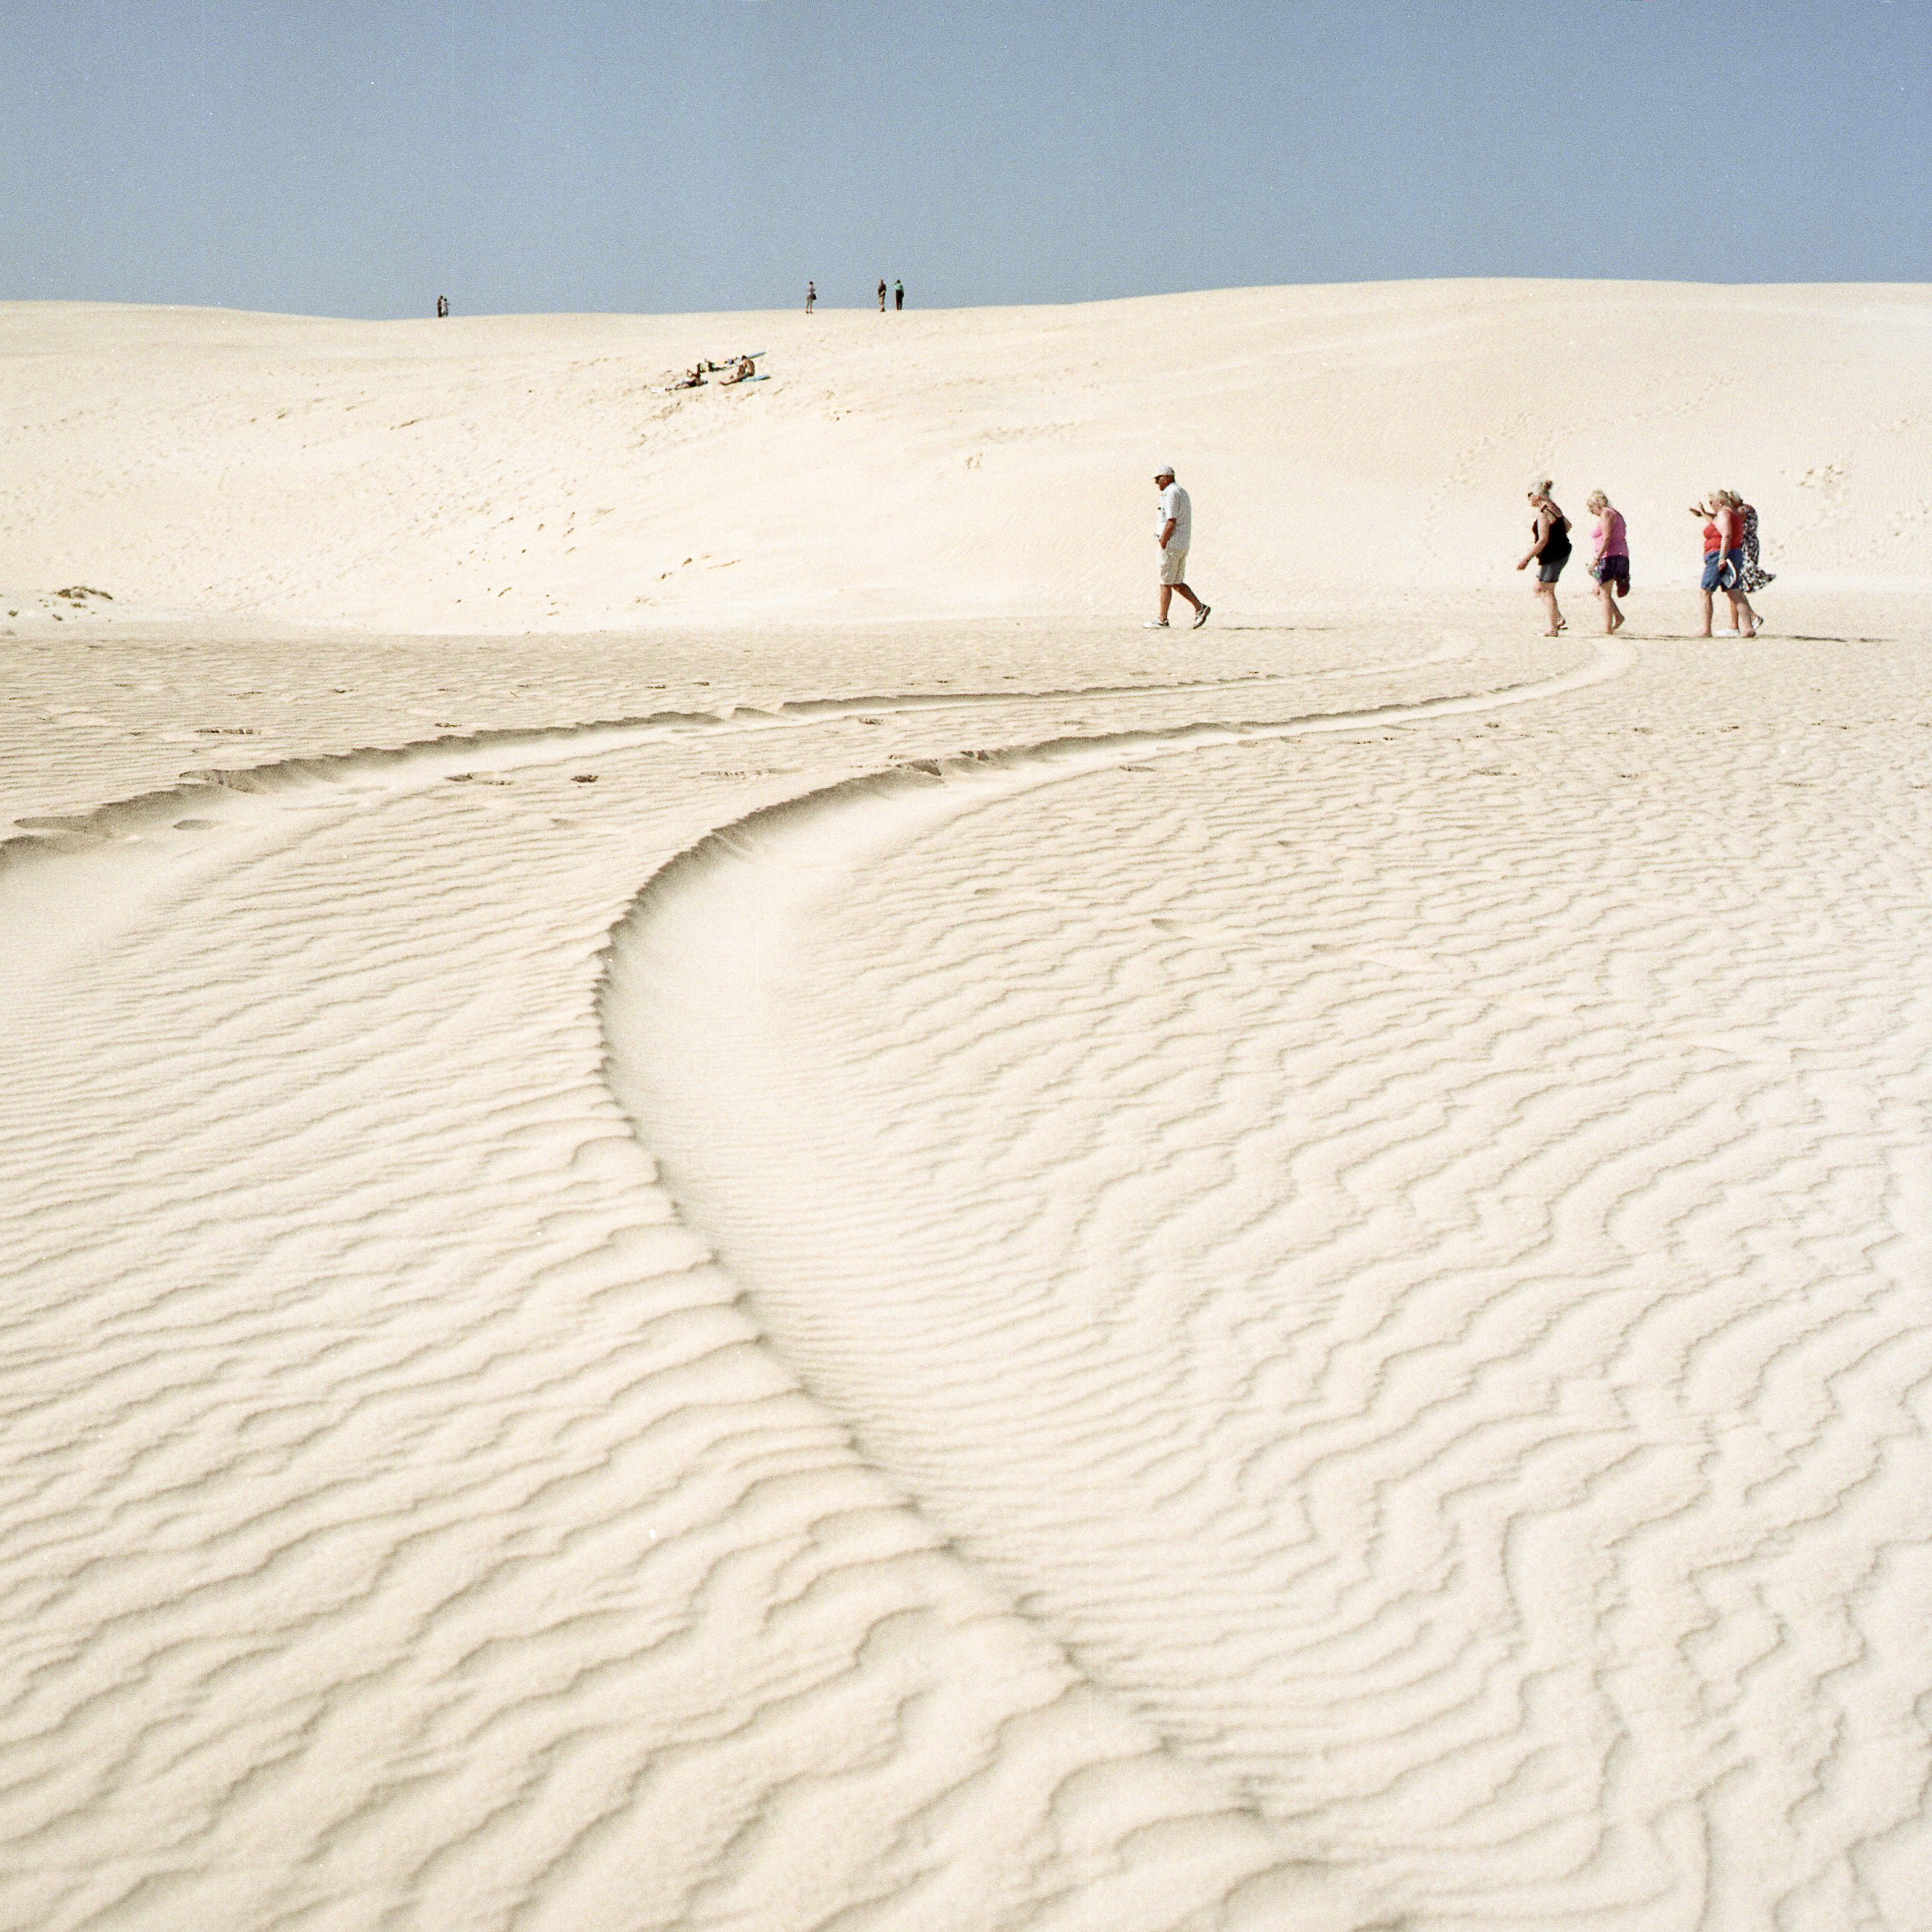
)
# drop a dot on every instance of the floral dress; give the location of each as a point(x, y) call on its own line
point(1755, 576)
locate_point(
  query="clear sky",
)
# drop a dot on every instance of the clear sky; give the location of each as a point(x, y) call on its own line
point(360, 157)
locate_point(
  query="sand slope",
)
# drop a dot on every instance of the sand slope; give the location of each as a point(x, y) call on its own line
point(960, 1275)
point(503, 473)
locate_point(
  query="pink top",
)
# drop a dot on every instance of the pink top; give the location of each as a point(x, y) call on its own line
point(1610, 539)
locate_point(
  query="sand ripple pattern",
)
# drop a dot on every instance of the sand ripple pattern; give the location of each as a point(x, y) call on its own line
point(407, 1523)
point(1406, 1254)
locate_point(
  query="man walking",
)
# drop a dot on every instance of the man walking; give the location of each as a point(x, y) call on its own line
point(899, 296)
point(881, 295)
point(1175, 527)
point(811, 296)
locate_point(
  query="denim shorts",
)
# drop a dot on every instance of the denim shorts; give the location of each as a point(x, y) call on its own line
point(1722, 573)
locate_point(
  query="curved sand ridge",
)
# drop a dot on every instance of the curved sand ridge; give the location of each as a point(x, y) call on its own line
point(1404, 1254)
point(407, 1523)
point(1374, 1367)
point(1318, 1332)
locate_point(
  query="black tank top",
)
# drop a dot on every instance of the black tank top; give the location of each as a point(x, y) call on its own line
point(1558, 545)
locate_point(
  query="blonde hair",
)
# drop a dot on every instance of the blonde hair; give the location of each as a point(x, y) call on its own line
point(1541, 489)
point(1597, 501)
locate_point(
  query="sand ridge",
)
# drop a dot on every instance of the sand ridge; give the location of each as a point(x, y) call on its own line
point(664, 1589)
point(1418, 1286)
point(856, 1247)
point(264, 1569)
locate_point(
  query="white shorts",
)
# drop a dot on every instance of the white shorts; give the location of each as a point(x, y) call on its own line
point(1174, 565)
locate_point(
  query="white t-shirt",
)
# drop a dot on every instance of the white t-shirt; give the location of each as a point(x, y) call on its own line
point(1174, 504)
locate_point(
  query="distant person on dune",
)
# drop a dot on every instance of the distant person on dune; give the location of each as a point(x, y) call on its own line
point(1174, 532)
point(811, 296)
point(442, 307)
point(1611, 565)
point(898, 295)
point(1549, 551)
point(1723, 561)
point(881, 295)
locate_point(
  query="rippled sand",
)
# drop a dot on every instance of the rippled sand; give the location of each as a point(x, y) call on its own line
point(974, 1275)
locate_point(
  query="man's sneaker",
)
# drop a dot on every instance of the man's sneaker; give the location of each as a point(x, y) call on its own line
point(1155, 624)
point(1200, 616)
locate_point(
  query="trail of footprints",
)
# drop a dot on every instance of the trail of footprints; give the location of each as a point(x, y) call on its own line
point(1225, 1404)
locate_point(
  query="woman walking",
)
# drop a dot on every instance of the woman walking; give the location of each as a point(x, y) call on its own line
point(1723, 560)
point(1753, 576)
point(1611, 564)
point(1549, 551)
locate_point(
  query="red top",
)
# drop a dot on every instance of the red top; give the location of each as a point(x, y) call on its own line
point(1713, 544)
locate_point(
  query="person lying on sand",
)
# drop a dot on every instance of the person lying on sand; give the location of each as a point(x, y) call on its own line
point(693, 378)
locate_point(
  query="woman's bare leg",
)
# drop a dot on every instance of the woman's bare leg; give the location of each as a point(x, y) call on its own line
point(1547, 592)
point(1741, 609)
point(1705, 596)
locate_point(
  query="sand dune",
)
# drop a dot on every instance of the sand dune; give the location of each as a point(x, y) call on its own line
point(680, 1264)
point(505, 474)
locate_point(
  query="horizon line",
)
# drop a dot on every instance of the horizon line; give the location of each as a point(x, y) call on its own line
point(868, 306)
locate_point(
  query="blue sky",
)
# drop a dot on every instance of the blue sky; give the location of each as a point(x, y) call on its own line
point(351, 157)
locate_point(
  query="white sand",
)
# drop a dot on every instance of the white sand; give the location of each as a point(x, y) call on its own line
point(1061, 1278)
point(494, 475)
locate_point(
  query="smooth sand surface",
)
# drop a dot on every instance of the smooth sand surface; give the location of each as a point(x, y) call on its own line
point(858, 1247)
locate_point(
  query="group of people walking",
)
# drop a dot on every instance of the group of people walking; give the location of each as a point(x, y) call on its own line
point(1731, 557)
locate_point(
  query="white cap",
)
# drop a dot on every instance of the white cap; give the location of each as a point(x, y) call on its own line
point(1166, 470)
